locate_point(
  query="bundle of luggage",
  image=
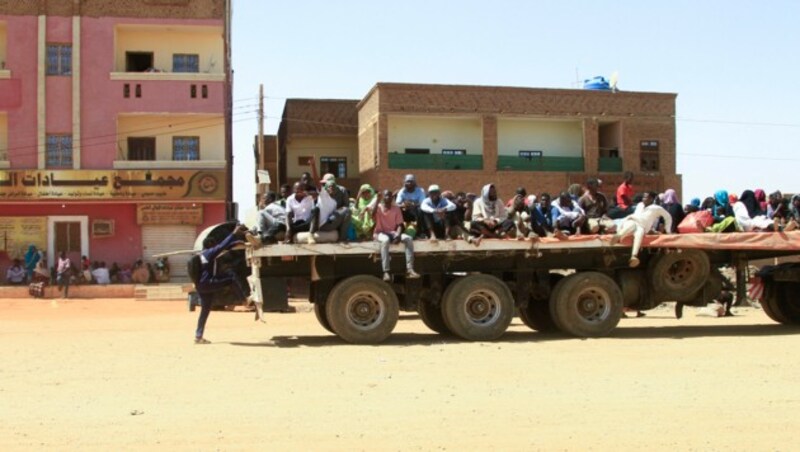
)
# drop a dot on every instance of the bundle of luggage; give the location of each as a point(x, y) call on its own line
point(37, 289)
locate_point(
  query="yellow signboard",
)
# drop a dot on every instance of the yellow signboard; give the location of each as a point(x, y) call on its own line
point(169, 214)
point(18, 233)
point(122, 185)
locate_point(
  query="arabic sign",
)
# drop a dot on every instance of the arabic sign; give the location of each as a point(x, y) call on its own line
point(123, 185)
point(18, 233)
point(169, 214)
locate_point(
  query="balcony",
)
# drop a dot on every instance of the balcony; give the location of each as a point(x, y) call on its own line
point(435, 161)
point(559, 164)
point(609, 165)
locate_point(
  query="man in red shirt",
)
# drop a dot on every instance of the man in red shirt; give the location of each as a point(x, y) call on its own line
point(389, 228)
point(625, 196)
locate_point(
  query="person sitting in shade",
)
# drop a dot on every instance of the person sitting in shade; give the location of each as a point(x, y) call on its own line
point(15, 273)
point(389, 228)
point(640, 223)
point(101, 274)
point(568, 216)
point(489, 216)
point(408, 199)
point(438, 213)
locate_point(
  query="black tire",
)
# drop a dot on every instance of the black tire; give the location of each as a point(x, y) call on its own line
point(770, 303)
point(789, 301)
point(322, 316)
point(362, 309)
point(587, 304)
point(478, 307)
point(537, 315)
point(432, 317)
point(678, 276)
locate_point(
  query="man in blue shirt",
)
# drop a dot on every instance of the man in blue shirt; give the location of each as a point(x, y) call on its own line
point(438, 213)
point(409, 199)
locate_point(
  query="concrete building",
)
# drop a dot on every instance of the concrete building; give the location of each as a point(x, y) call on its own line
point(462, 137)
point(114, 126)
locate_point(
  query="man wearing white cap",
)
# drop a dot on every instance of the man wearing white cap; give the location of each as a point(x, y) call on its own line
point(437, 211)
point(409, 198)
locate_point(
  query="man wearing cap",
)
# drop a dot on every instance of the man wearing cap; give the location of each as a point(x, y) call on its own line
point(326, 214)
point(438, 213)
point(409, 199)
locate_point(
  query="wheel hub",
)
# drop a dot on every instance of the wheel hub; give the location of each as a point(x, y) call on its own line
point(364, 310)
point(482, 307)
point(594, 305)
point(680, 271)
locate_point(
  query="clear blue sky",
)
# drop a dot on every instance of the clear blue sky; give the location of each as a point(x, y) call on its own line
point(731, 63)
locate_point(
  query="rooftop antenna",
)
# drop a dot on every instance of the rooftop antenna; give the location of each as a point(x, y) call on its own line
point(613, 81)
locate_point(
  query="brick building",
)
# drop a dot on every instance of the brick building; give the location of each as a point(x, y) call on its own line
point(114, 126)
point(462, 137)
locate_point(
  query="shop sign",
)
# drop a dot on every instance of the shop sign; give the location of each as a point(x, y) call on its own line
point(169, 214)
point(18, 233)
point(122, 185)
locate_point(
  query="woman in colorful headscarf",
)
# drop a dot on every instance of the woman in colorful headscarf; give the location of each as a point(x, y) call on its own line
point(363, 221)
point(673, 206)
point(722, 207)
point(761, 197)
point(693, 206)
point(31, 259)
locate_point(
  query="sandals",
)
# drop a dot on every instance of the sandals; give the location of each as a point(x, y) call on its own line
point(201, 340)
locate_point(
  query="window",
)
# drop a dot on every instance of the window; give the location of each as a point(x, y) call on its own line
point(530, 154)
point(418, 151)
point(649, 155)
point(454, 152)
point(186, 148)
point(141, 148)
point(334, 165)
point(185, 62)
point(59, 59)
point(59, 151)
point(138, 61)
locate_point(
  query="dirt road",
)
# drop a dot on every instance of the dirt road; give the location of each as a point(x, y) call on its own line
point(118, 374)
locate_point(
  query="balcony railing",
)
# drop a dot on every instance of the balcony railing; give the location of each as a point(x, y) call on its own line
point(435, 161)
point(609, 165)
point(513, 163)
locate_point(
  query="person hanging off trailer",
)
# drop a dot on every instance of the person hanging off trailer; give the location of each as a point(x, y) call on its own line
point(642, 222)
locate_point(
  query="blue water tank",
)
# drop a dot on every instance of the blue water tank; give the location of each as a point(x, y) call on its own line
point(599, 83)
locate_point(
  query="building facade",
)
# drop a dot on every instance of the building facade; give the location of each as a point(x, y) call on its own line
point(462, 137)
point(114, 126)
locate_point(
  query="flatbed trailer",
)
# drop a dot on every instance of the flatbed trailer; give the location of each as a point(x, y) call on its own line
point(578, 285)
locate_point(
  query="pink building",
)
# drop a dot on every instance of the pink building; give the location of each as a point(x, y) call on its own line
point(114, 127)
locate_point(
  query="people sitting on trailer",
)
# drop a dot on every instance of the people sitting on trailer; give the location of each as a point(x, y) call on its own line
point(489, 216)
point(568, 217)
point(460, 228)
point(438, 214)
point(326, 216)
point(298, 211)
point(307, 181)
point(528, 221)
point(761, 197)
point(693, 206)
point(15, 273)
point(363, 209)
point(285, 192)
point(408, 199)
point(722, 207)
point(271, 226)
point(520, 191)
point(673, 206)
point(794, 210)
point(624, 198)
point(746, 213)
point(389, 227)
point(545, 207)
point(575, 191)
point(640, 223)
point(595, 206)
point(778, 209)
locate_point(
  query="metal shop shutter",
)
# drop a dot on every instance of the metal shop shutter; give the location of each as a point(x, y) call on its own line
point(157, 239)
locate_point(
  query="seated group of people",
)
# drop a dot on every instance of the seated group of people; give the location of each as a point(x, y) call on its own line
point(411, 213)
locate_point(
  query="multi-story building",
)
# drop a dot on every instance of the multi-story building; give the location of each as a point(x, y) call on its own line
point(462, 137)
point(114, 126)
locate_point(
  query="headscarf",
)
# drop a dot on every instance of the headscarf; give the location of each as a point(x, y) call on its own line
point(732, 198)
point(695, 202)
point(761, 197)
point(575, 191)
point(31, 258)
point(671, 197)
point(748, 198)
point(364, 202)
point(488, 205)
point(721, 204)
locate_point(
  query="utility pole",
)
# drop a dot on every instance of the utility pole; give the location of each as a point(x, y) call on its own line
point(260, 156)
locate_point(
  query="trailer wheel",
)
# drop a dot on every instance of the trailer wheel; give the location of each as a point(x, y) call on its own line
point(478, 307)
point(678, 276)
point(789, 302)
point(362, 309)
point(777, 306)
point(587, 304)
point(432, 317)
point(322, 316)
point(537, 315)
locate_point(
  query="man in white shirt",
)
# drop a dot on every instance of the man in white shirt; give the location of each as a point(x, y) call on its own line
point(15, 274)
point(438, 213)
point(101, 275)
point(640, 223)
point(326, 214)
point(298, 212)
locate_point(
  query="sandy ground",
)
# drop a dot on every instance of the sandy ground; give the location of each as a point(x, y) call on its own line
point(118, 374)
